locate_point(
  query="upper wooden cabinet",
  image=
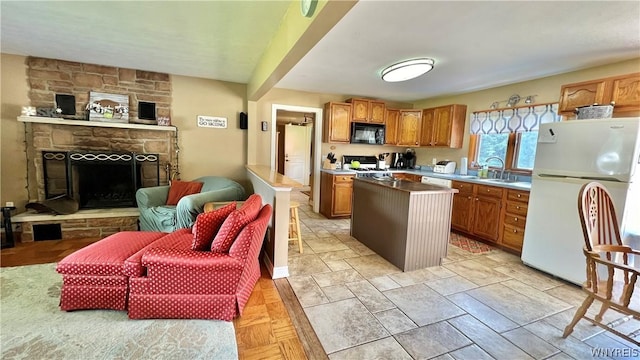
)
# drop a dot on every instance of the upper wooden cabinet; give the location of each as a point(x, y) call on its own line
point(391, 126)
point(337, 122)
point(624, 90)
point(443, 126)
point(409, 127)
point(367, 111)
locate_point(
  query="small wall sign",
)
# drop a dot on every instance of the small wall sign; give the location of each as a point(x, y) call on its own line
point(212, 122)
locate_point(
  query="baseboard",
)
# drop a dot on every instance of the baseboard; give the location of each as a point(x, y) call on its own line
point(276, 273)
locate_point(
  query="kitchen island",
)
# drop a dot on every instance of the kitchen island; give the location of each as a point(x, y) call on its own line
point(405, 222)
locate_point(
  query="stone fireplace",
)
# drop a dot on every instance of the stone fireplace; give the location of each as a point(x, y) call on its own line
point(139, 153)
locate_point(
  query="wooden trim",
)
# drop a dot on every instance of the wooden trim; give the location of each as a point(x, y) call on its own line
point(310, 342)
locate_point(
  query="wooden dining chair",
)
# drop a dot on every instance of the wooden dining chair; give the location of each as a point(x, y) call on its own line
point(610, 279)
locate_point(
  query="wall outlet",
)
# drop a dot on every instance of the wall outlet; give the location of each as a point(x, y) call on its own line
point(434, 161)
point(9, 204)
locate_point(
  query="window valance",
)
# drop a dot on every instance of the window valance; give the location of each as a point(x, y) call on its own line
point(516, 119)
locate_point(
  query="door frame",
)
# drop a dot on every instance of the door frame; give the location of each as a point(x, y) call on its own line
point(317, 144)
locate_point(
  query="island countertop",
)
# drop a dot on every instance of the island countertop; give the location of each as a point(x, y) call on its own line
point(408, 186)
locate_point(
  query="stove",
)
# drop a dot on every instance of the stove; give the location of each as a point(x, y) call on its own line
point(368, 166)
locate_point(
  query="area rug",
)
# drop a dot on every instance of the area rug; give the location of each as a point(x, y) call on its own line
point(470, 245)
point(33, 327)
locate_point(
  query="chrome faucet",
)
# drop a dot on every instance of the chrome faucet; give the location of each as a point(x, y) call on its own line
point(501, 162)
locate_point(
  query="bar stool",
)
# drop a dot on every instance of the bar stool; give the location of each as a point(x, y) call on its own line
point(294, 224)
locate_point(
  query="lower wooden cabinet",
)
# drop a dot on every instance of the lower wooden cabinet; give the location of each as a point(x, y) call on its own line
point(336, 195)
point(495, 214)
point(514, 219)
point(408, 177)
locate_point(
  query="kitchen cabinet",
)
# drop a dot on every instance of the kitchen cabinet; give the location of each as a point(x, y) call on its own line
point(337, 122)
point(409, 127)
point(367, 111)
point(336, 195)
point(391, 126)
point(476, 210)
point(624, 90)
point(514, 219)
point(443, 126)
point(462, 203)
point(408, 177)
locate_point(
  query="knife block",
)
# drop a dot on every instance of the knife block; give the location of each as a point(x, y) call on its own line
point(327, 165)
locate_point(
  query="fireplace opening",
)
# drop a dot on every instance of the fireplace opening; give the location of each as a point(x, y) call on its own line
point(99, 179)
point(106, 185)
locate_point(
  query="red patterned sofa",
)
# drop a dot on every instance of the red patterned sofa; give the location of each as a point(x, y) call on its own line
point(207, 272)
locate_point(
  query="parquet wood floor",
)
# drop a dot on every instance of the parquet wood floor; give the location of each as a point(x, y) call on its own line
point(264, 331)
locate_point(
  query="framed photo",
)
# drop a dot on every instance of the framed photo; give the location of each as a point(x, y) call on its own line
point(108, 107)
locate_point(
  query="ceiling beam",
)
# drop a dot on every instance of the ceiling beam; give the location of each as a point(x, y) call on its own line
point(295, 37)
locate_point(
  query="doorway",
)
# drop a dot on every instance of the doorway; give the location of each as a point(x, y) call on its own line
point(295, 151)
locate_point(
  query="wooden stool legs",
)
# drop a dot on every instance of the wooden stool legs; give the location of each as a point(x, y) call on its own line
point(294, 224)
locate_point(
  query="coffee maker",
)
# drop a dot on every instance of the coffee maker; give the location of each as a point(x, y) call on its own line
point(410, 159)
point(398, 161)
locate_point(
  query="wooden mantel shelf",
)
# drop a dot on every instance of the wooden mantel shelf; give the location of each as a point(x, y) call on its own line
point(58, 121)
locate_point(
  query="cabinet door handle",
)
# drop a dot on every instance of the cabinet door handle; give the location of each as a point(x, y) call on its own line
point(515, 231)
point(469, 197)
point(515, 219)
point(477, 199)
point(518, 195)
point(518, 207)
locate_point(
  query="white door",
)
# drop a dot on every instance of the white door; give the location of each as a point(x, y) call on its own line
point(296, 153)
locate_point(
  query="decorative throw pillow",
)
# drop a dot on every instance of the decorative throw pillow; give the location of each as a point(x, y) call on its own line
point(179, 189)
point(207, 226)
point(235, 222)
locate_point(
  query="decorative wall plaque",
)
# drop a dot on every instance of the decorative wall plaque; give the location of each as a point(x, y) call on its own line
point(212, 121)
point(108, 107)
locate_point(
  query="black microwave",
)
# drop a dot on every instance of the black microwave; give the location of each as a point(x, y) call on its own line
point(363, 133)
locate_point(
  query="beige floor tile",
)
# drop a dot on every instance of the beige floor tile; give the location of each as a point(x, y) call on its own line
point(450, 285)
point(530, 343)
point(471, 352)
point(482, 312)
point(335, 333)
point(487, 339)
point(528, 276)
point(514, 305)
point(476, 272)
point(337, 265)
point(413, 277)
point(326, 244)
point(307, 290)
point(338, 255)
point(337, 292)
point(432, 340)
point(337, 277)
point(395, 321)
point(370, 297)
point(306, 264)
point(423, 305)
point(372, 266)
point(383, 349)
point(441, 271)
point(384, 283)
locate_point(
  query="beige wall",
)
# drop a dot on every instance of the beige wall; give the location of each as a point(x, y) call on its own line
point(209, 151)
point(14, 95)
point(547, 90)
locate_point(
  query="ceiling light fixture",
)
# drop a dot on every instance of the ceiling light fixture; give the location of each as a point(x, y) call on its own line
point(408, 69)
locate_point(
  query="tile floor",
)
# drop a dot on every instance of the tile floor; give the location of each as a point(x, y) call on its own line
point(474, 306)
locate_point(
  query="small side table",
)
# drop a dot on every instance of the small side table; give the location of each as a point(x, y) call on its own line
point(8, 228)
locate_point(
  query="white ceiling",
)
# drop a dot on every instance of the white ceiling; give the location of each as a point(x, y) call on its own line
point(476, 44)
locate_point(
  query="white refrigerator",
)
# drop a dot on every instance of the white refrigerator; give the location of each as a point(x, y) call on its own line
point(568, 155)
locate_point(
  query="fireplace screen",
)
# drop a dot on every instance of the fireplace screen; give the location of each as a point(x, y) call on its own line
point(98, 179)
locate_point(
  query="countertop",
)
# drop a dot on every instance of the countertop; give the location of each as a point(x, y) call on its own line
point(273, 178)
point(518, 185)
point(408, 186)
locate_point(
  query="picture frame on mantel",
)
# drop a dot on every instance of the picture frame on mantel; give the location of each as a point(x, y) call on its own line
point(106, 107)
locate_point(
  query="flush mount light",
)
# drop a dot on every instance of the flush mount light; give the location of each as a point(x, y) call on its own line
point(407, 69)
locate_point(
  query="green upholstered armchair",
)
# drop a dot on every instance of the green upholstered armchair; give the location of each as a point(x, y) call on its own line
point(155, 215)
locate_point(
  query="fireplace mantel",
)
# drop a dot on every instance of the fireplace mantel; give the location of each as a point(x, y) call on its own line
point(58, 121)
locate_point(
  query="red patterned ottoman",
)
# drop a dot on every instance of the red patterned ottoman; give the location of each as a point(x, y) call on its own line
point(93, 277)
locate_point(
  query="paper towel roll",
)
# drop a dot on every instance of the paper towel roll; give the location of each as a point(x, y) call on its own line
point(463, 166)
